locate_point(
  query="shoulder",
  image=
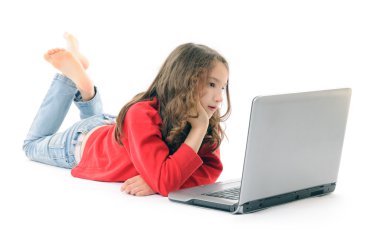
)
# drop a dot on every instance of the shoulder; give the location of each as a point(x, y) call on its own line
point(144, 111)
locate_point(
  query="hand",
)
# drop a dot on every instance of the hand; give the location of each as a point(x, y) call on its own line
point(136, 186)
point(202, 121)
point(198, 130)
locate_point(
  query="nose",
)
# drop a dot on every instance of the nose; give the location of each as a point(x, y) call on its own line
point(218, 96)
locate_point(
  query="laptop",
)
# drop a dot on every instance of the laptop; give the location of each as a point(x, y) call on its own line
point(293, 151)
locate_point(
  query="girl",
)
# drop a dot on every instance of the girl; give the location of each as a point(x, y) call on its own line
point(164, 139)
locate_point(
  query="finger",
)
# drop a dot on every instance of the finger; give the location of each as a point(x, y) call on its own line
point(124, 190)
point(124, 185)
point(127, 188)
point(141, 193)
point(145, 192)
point(138, 187)
point(136, 190)
point(132, 179)
point(129, 181)
point(133, 187)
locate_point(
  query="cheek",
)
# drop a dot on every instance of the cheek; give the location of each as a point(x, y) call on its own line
point(203, 103)
point(202, 93)
point(203, 98)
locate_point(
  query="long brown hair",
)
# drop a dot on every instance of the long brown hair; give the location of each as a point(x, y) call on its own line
point(176, 88)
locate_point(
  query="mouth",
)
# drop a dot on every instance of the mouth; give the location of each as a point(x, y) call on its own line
point(213, 108)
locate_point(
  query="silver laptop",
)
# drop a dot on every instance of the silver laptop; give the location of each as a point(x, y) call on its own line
point(293, 151)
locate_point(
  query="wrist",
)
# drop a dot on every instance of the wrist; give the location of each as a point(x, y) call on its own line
point(200, 129)
point(195, 137)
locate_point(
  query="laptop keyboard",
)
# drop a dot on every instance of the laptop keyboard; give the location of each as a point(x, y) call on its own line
point(231, 193)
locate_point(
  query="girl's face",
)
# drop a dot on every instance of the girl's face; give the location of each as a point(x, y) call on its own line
point(211, 95)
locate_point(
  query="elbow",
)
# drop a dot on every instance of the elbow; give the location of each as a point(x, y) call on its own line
point(164, 193)
point(165, 188)
point(168, 184)
point(168, 180)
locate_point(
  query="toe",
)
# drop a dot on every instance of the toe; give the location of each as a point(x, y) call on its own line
point(69, 37)
point(57, 50)
point(47, 56)
point(52, 51)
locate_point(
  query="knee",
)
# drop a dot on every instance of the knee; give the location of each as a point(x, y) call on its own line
point(26, 148)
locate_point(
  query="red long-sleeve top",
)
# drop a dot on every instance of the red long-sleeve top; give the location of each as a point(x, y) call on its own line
point(145, 153)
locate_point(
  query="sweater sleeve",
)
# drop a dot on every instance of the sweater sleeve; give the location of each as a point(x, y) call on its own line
point(209, 172)
point(150, 154)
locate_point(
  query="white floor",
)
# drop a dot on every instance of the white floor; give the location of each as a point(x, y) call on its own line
point(46, 199)
point(272, 46)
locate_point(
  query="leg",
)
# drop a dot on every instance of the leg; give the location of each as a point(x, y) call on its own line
point(59, 149)
point(42, 143)
point(49, 118)
point(88, 103)
point(53, 109)
point(58, 99)
point(73, 47)
point(71, 67)
point(90, 107)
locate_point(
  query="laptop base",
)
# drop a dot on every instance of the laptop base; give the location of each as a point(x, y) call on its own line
point(260, 204)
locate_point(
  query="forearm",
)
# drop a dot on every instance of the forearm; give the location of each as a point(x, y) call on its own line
point(195, 138)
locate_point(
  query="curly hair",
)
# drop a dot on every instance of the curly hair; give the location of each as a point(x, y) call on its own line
point(176, 87)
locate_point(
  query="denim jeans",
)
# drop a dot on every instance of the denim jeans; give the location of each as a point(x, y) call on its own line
point(43, 143)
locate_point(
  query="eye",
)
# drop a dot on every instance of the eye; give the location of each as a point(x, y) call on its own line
point(212, 84)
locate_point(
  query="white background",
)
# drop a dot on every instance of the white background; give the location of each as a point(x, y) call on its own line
point(272, 47)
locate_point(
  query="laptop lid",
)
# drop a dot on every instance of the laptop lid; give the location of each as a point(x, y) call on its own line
point(294, 142)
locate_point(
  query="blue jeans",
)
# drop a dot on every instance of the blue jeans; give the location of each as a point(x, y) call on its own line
point(43, 143)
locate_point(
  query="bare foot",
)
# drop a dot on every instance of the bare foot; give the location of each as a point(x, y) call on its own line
point(73, 47)
point(71, 67)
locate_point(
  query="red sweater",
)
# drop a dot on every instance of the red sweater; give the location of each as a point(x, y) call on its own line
point(145, 153)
